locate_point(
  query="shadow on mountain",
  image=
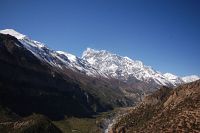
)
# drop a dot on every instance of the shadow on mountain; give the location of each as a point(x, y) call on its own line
point(27, 85)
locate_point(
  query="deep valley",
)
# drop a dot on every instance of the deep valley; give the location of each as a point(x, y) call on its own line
point(47, 91)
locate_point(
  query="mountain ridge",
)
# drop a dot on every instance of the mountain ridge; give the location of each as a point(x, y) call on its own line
point(36, 86)
point(58, 84)
point(100, 58)
point(122, 68)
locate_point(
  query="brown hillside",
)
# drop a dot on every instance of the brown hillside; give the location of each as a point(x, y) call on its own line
point(165, 111)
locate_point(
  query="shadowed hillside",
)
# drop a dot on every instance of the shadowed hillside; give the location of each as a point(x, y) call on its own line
point(29, 85)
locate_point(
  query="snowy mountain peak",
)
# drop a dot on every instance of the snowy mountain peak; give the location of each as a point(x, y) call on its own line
point(122, 68)
point(100, 63)
point(90, 52)
point(127, 58)
point(12, 32)
point(188, 79)
point(170, 76)
point(58, 59)
point(71, 57)
point(175, 80)
point(23, 38)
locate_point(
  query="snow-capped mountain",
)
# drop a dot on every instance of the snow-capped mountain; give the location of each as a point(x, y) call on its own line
point(124, 68)
point(100, 63)
point(58, 59)
point(13, 33)
point(188, 79)
point(175, 80)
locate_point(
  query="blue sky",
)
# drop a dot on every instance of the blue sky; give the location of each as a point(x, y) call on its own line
point(164, 34)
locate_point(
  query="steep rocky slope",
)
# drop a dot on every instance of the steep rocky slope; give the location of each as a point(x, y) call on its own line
point(29, 85)
point(166, 110)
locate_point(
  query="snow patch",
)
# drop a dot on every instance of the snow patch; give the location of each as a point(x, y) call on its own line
point(192, 78)
point(13, 33)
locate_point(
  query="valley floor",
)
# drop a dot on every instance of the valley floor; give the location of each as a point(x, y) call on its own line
point(101, 123)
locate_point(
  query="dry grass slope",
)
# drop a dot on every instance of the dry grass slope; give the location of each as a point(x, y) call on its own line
point(165, 111)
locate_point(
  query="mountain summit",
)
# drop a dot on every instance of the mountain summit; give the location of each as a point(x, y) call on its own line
point(14, 33)
point(191, 78)
point(100, 63)
point(126, 69)
point(35, 78)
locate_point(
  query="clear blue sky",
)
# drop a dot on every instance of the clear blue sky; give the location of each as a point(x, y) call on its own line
point(164, 34)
